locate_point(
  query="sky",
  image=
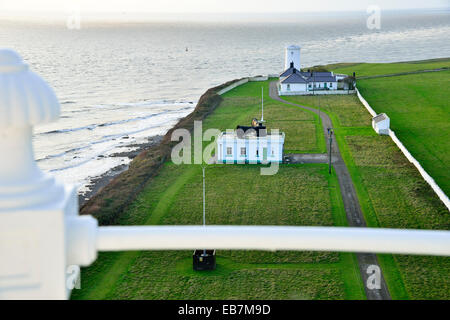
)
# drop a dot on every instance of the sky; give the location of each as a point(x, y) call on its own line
point(198, 6)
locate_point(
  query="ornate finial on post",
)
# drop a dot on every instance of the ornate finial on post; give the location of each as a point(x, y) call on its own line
point(25, 100)
point(40, 230)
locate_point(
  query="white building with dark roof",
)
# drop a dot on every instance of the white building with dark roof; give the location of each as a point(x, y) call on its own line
point(381, 123)
point(293, 81)
point(251, 145)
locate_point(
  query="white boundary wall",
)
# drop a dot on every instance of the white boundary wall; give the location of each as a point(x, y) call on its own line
point(241, 82)
point(232, 86)
point(315, 93)
point(259, 78)
point(411, 159)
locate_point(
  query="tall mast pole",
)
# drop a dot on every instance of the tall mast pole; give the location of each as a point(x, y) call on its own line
point(262, 104)
point(204, 211)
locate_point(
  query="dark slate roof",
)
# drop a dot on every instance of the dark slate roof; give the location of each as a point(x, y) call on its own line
point(328, 78)
point(260, 131)
point(319, 76)
point(380, 117)
point(292, 75)
point(294, 78)
point(288, 72)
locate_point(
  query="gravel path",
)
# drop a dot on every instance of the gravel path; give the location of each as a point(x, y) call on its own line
point(352, 208)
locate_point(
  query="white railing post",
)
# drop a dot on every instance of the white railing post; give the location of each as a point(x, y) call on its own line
point(40, 230)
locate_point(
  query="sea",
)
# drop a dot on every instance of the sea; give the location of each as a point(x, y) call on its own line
point(122, 81)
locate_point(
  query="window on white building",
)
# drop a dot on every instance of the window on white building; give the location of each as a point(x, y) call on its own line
point(243, 151)
point(289, 87)
point(229, 151)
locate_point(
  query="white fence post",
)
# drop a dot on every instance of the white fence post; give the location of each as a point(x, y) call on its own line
point(39, 220)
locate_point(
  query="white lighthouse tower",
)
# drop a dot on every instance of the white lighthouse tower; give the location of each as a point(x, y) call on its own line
point(292, 55)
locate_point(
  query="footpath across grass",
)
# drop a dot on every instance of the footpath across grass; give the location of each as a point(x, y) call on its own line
point(236, 195)
point(392, 194)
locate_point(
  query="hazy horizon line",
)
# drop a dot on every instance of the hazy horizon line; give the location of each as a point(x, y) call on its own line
point(204, 16)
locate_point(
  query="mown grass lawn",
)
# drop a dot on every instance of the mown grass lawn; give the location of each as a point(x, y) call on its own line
point(419, 109)
point(373, 69)
point(392, 194)
point(236, 195)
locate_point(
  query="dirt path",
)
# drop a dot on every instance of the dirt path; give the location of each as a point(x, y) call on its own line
point(352, 208)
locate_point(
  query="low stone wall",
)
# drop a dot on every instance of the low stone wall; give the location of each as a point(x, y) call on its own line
point(411, 159)
point(241, 82)
point(259, 78)
point(232, 86)
point(309, 93)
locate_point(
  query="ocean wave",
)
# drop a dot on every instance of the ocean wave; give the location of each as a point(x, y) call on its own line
point(93, 156)
point(112, 123)
point(103, 139)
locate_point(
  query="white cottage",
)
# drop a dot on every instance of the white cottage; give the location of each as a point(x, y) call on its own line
point(380, 124)
point(250, 145)
point(295, 82)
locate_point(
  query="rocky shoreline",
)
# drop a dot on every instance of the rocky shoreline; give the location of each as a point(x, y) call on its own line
point(115, 190)
point(98, 183)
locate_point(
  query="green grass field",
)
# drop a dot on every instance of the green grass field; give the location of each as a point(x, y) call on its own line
point(374, 69)
point(420, 116)
point(238, 195)
point(392, 194)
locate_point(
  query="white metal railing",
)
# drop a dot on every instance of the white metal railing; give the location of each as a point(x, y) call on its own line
point(42, 234)
point(272, 238)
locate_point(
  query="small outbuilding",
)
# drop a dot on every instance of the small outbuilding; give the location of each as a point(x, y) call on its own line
point(204, 260)
point(381, 123)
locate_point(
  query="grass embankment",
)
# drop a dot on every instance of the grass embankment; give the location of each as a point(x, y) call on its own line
point(376, 69)
point(238, 195)
point(392, 194)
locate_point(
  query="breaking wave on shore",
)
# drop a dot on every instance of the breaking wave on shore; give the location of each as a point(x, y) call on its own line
point(78, 153)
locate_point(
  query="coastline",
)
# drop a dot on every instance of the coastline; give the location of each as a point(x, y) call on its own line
point(112, 192)
point(98, 183)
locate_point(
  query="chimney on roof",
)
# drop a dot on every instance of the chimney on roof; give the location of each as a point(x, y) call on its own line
point(292, 64)
point(294, 71)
